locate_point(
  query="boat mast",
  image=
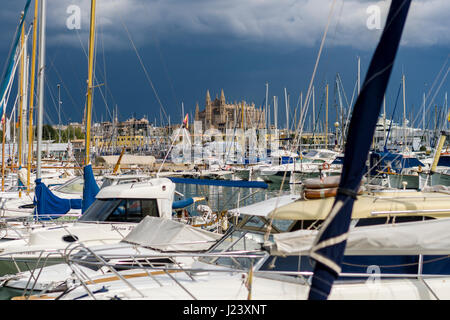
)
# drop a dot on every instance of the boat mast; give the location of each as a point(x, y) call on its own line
point(359, 75)
point(404, 113)
point(384, 119)
point(326, 116)
point(21, 98)
point(32, 76)
point(41, 76)
point(266, 110)
point(89, 85)
point(275, 111)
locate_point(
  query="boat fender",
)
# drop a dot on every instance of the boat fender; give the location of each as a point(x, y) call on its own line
point(224, 224)
point(320, 193)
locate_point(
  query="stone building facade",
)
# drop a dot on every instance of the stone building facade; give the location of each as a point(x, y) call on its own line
point(221, 115)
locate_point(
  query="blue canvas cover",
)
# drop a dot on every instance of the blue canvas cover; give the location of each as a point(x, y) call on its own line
point(444, 161)
point(381, 160)
point(90, 188)
point(50, 206)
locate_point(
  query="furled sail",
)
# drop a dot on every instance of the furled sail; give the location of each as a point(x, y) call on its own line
point(90, 188)
point(7, 74)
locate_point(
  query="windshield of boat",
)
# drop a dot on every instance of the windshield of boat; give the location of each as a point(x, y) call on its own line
point(237, 241)
point(326, 155)
point(311, 154)
point(248, 235)
point(261, 224)
point(120, 210)
point(73, 186)
point(113, 181)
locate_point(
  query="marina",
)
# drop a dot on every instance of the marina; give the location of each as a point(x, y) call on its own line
point(347, 198)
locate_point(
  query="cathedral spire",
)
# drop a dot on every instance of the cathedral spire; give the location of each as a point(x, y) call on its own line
point(197, 112)
point(222, 97)
point(208, 98)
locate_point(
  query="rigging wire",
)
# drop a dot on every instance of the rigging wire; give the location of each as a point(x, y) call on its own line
point(145, 70)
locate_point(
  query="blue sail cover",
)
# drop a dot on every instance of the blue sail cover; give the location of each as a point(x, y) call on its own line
point(90, 188)
point(6, 77)
point(328, 249)
point(182, 203)
point(50, 206)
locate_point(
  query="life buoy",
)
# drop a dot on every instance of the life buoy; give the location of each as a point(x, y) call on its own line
point(323, 193)
point(325, 166)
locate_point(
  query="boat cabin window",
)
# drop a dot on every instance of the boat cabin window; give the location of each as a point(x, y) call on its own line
point(121, 210)
point(134, 210)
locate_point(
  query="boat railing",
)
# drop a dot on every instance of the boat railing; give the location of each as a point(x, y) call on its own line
point(17, 225)
point(144, 262)
point(395, 212)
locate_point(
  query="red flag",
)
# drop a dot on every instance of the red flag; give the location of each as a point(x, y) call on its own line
point(185, 121)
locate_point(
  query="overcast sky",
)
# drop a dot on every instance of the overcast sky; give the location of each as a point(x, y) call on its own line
point(188, 46)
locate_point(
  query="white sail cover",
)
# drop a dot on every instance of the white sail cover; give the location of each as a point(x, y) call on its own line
point(127, 159)
point(169, 235)
point(410, 238)
point(264, 208)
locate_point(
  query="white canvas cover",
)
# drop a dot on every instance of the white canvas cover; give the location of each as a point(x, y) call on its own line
point(410, 238)
point(127, 159)
point(263, 208)
point(169, 235)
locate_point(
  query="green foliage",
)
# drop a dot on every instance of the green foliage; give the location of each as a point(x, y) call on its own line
point(70, 133)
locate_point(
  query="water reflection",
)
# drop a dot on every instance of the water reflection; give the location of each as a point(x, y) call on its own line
point(220, 198)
